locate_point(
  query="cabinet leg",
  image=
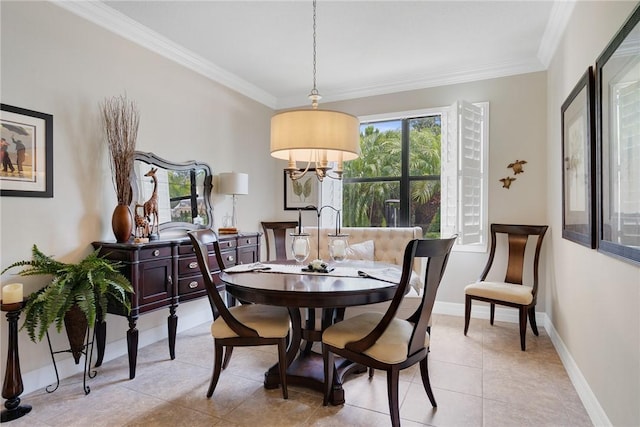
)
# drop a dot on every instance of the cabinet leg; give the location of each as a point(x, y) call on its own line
point(132, 347)
point(101, 340)
point(172, 323)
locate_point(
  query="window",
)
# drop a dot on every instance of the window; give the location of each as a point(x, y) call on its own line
point(425, 168)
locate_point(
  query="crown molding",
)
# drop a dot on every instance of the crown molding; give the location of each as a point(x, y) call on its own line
point(559, 18)
point(440, 79)
point(116, 22)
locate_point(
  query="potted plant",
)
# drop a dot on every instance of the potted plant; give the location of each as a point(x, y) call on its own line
point(76, 297)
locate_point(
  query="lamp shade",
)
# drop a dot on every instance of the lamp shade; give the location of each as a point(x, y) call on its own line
point(300, 134)
point(234, 183)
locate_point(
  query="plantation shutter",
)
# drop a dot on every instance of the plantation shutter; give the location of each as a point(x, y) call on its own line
point(463, 189)
point(470, 123)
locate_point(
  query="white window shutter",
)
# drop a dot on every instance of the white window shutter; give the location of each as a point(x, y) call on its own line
point(449, 174)
point(470, 136)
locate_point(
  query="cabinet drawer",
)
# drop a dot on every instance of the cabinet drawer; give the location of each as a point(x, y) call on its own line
point(229, 258)
point(153, 253)
point(227, 244)
point(189, 285)
point(189, 250)
point(189, 265)
point(248, 241)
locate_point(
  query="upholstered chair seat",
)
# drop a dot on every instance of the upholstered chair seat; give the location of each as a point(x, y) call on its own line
point(503, 291)
point(268, 321)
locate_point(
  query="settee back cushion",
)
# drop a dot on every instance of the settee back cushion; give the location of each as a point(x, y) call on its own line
point(389, 242)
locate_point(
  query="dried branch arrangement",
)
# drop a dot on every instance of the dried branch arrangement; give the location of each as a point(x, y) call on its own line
point(121, 118)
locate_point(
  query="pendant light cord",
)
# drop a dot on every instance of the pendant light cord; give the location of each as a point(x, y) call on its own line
point(314, 95)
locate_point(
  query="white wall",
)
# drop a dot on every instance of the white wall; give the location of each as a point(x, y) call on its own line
point(58, 63)
point(517, 130)
point(593, 298)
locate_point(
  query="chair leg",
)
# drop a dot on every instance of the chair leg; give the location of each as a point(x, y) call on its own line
point(492, 314)
point(227, 357)
point(217, 367)
point(467, 313)
point(282, 362)
point(371, 372)
point(532, 320)
point(327, 357)
point(424, 373)
point(393, 376)
point(523, 326)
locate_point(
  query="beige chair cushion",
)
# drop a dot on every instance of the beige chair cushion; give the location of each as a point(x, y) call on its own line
point(391, 347)
point(502, 291)
point(268, 321)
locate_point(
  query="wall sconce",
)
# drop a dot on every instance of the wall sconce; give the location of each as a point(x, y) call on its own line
point(233, 183)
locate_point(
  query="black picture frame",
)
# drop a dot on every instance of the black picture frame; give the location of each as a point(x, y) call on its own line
point(294, 197)
point(578, 163)
point(28, 137)
point(618, 143)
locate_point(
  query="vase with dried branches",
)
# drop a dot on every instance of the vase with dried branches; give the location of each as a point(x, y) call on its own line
point(120, 118)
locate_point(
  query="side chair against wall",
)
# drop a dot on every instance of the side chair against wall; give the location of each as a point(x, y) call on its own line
point(277, 229)
point(511, 292)
point(382, 341)
point(242, 325)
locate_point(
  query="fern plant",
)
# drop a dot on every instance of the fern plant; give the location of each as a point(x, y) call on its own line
point(92, 284)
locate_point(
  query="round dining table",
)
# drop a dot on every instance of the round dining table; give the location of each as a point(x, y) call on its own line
point(307, 293)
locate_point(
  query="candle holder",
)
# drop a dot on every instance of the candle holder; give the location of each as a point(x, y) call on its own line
point(300, 247)
point(338, 246)
point(12, 387)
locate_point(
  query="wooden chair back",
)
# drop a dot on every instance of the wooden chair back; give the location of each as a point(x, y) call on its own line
point(518, 236)
point(437, 253)
point(277, 229)
point(200, 240)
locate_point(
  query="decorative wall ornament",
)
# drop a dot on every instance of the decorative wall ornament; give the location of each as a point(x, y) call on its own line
point(517, 166)
point(506, 182)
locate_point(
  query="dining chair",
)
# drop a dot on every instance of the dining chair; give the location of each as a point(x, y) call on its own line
point(277, 229)
point(383, 341)
point(242, 325)
point(511, 291)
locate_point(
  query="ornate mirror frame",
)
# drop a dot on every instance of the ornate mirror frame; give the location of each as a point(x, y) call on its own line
point(180, 208)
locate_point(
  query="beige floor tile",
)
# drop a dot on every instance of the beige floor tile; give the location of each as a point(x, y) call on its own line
point(454, 409)
point(479, 379)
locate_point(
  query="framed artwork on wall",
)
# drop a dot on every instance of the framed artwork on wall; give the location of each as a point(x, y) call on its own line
point(27, 152)
point(618, 143)
point(303, 193)
point(578, 163)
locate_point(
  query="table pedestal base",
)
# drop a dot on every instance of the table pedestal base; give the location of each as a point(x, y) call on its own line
point(307, 370)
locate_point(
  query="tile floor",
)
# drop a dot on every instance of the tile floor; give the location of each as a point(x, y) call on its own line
point(479, 380)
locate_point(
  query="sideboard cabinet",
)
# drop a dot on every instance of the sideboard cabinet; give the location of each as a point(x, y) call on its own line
point(165, 273)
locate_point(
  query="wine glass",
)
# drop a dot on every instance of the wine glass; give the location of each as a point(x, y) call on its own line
point(300, 247)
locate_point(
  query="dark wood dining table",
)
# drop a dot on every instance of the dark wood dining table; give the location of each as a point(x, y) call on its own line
point(308, 293)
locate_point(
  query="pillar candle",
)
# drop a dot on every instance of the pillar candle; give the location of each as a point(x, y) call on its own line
point(12, 293)
point(300, 247)
point(338, 248)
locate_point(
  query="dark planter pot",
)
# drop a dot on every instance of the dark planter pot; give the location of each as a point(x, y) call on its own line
point(76, 325)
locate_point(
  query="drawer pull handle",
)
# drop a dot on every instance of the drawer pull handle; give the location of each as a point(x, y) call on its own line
point(193, 264)
point(229, 244)
point(248, 241)
point(193, 285)
point(230, 258)
point(156, 252)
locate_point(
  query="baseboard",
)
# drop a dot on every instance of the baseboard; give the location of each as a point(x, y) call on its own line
point(596, 413)
point(45, 376)
point(588, 398)
point(42, 377)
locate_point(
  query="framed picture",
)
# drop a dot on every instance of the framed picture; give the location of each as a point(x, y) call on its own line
point(578, 163)
point(303, 193)
point(27, 152)
point(618, 143)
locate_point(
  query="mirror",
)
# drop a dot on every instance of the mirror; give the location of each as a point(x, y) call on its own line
point(183, 192)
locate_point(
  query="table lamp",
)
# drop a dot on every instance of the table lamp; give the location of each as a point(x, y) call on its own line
point(233, 183)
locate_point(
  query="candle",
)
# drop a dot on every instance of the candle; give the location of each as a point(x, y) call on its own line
point(12, 293)
point(300, 247)
point(338, 248)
